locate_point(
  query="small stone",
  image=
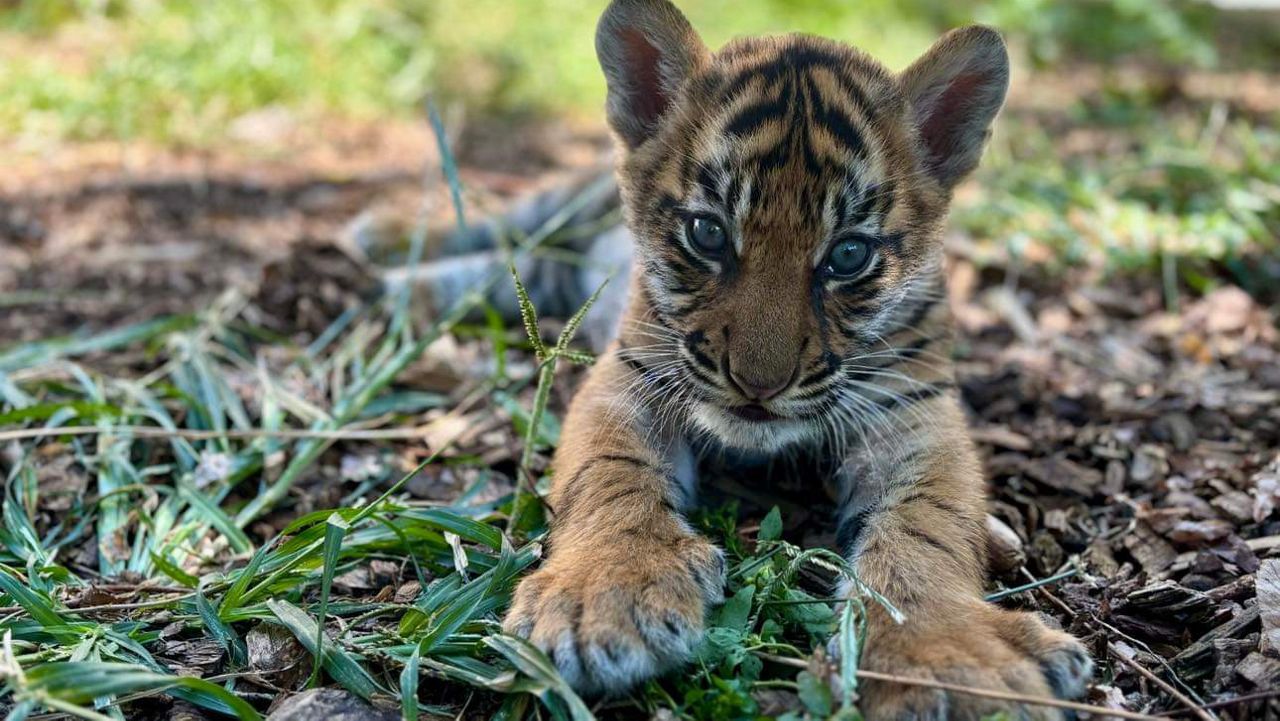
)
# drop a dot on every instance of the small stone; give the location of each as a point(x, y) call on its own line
point(1175, 428)
point(329, 704)
point(1005, 548)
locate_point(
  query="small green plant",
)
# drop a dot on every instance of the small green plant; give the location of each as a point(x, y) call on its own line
point(547, 358)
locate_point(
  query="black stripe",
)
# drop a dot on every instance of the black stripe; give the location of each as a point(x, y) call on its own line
point(636, 365)
point(618, 495)
point(632, 363)
point(794, 58)
point(754, 116)
point(882, 199)
point(668, 204)
point(831, 364)
point(838, 125)
point(913, 349)
point(701, 375)
point(926, 538)
point(707, 179)
point(860, 289)
point(731, 199)
point(877, 200)
point(938, 503)
point(692, 261)
point(817, 300)
point(919, 313)
point(640, 626)
point(702, 358)
point(573, 489)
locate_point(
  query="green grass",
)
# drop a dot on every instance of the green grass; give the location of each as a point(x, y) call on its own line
point(1184, 194)
point(172, 519)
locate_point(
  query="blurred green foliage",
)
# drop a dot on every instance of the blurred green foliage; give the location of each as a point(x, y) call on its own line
point(181, 70)
point(1204, 197)
point(1054, 31)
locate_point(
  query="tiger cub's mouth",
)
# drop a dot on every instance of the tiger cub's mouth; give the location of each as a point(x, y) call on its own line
point(755, 413)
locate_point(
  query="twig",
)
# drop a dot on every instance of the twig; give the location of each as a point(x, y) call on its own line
point(1164, 685)
point(115, 607)
point(1140, 644)
point(1247, 698)
point(981, 692)
point(1031, 586)
point(1168, 688)
point(1039, 586)
point(201, 435)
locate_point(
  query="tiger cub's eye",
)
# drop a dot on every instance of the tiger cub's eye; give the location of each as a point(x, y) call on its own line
point(707, 234)
point(848, 258)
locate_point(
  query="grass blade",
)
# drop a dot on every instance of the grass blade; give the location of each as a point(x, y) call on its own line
point(409, 688)
point(239, 542)
point(334, 531)
point(534, 663)
point(82, 682)
point(340, 664)
point(448, 166)
point(221, 631)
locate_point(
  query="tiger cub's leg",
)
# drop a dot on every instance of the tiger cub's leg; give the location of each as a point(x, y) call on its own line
point(623, 593)
point(916, 533)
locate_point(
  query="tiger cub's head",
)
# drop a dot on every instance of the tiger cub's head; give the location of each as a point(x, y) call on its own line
point(787, 196)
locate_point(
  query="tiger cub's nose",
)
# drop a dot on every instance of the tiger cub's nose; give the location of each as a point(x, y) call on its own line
point(759, 388)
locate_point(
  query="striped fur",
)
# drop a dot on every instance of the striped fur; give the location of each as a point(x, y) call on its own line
point(792, 145)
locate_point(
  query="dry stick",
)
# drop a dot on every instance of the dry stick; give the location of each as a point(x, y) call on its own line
point(1146, 673)
point(1165, 664)
point(1247, 698)
point(199, 435)
point(1164, 685)
point(115, 607)
point(1047, 593)
point(981, 692)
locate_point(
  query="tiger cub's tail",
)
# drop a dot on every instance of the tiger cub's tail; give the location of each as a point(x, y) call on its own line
point(584, 243)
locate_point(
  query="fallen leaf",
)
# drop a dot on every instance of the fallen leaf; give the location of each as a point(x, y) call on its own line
point(1266, 490)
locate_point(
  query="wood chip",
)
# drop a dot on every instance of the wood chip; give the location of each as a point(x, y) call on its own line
point(1153, 552)
point(1064, 474)
point(1268, 585)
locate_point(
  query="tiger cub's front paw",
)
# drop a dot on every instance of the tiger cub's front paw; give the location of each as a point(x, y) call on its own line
point(982, 647)
point(610, 618)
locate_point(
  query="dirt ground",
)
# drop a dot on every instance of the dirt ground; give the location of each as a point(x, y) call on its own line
point(1131, 450)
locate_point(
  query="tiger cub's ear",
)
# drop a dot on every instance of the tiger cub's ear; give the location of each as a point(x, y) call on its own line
point(955, 90)
point(647, 50)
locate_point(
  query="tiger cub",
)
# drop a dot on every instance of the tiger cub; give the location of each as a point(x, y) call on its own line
point(786, 199)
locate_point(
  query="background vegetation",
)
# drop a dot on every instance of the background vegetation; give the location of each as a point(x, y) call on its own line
point(177, 72)
point(155, 565)
point(180, 70)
